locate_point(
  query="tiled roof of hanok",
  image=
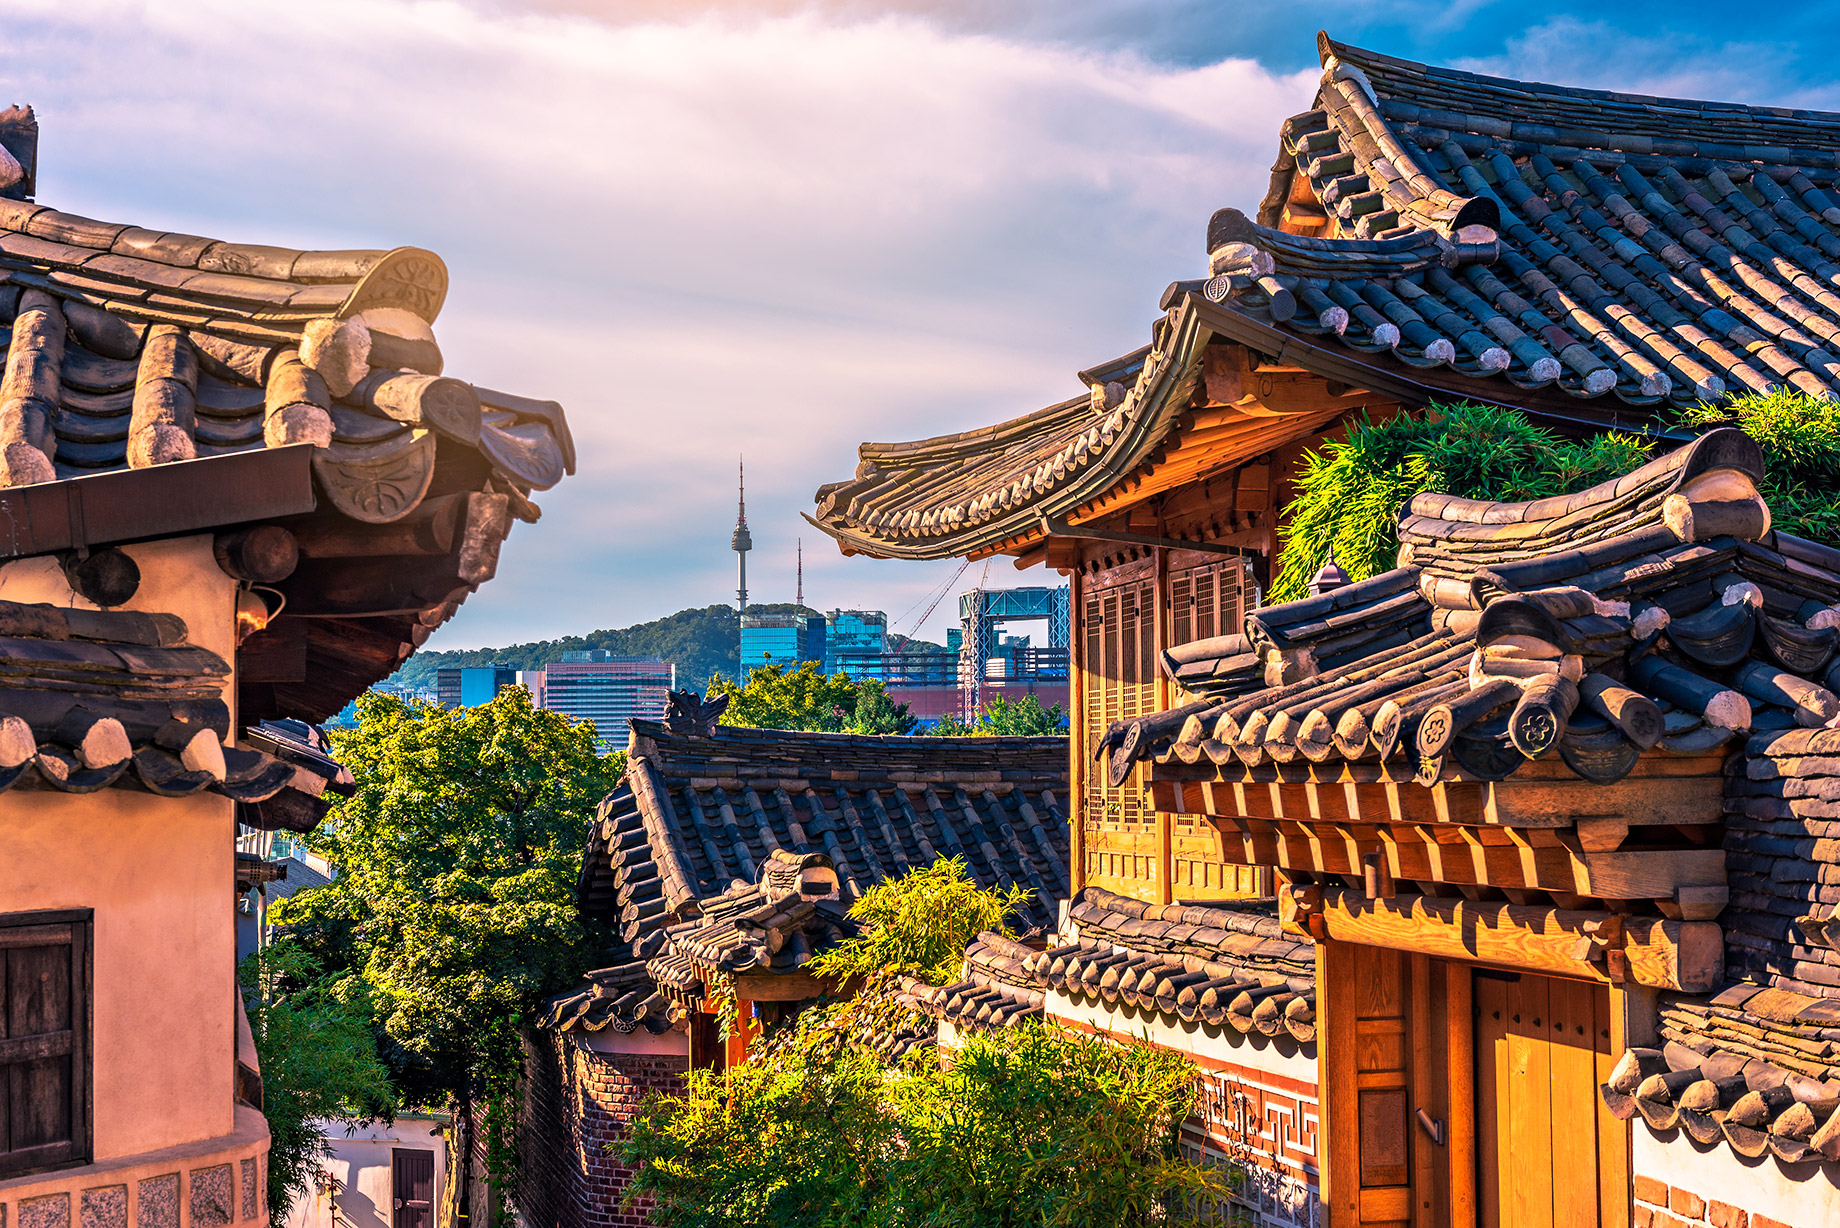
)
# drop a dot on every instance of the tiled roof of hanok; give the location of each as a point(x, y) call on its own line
point(700, 817)
point(1591, 257)
point(1660, 608)
point(151, 346)
point(191, 384)
point(996, 987)
point(1224, 964)
point(1478, 231)
point(91, 699)
point(983, 490)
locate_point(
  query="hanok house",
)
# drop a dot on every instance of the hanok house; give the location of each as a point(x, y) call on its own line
point(1595, 260)
point(728, 858)
point(236, 487)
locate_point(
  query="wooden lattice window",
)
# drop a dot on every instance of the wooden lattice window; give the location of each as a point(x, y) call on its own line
point(1205, 602)
point(44, 1040)
point(1119, 623)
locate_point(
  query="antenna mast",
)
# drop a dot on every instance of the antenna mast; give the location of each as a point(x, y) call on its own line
point(741, 542)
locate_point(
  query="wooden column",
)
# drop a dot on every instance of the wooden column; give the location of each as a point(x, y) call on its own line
point(1631, 1025)
point(741, 1031)
point(1337, 1086)
point(1460, 1058)
point(1077, 718)
point(1165, 822)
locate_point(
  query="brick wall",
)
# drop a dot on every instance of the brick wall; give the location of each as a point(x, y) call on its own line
point(576, 1102)
point(1660, 1205)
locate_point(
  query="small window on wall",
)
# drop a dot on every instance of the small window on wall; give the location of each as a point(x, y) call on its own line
point(44, 1040)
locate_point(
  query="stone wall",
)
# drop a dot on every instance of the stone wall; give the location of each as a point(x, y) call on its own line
point(577, 1101)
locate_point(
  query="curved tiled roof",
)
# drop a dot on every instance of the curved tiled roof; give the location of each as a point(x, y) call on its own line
point(1227, 965)
point(1749, 1067)
point(92, 699)
point(1591, 257)
point(1600, 244)
point(677, 855)
point(1657, 609)
point(207, 338)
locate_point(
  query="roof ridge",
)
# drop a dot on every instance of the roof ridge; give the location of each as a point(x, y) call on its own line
point(1362, 57)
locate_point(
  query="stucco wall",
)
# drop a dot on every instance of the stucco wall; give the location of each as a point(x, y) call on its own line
point(1717, 1186)
point(159, 874)
point(360, 1165)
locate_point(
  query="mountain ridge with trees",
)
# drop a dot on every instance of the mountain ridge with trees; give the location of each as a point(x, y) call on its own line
point(701, 642)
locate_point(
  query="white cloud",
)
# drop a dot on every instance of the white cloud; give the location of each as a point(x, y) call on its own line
point(778, 236)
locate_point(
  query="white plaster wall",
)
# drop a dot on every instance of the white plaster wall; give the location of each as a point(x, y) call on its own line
point(674, 1044)
point(360, 1165)
point(1801, 1195)
point(158, 872)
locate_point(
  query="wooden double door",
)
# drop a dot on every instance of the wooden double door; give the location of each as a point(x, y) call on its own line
point(1549, 1154)
point(1463, 1097)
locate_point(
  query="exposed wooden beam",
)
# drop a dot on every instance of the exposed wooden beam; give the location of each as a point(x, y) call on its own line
point(1655, 951)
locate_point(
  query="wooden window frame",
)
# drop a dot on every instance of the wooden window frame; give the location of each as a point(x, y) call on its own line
point(78, 1149)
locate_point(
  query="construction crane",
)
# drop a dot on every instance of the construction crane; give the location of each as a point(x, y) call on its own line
point(941, 595)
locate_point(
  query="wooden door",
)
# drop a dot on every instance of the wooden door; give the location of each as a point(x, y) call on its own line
point(44, 1046)
point(412, 1179)
point(1548, 1153)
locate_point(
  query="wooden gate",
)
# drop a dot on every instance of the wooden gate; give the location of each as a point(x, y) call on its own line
point(1548, 1153)
point(412, 1176)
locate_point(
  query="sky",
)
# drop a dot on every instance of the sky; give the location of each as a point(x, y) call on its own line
point(767, 228)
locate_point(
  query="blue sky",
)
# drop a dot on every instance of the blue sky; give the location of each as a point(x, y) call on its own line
point(767, 227)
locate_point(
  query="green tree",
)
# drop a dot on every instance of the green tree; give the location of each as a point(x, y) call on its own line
point(774, 697)
point(1025, 718)
point(876, 711)
point(920, 922)
point(319, 1060)
point(454, 912)
point(1031, 1125)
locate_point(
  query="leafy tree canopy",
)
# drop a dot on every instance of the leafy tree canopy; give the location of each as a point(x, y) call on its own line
point(454, 909)
point(1025, 718)
point(774, 697)
point(1032, 1125)
point(920, 922)
point(319, 1060)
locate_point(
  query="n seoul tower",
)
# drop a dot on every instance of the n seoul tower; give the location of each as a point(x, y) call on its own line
point(741, 543)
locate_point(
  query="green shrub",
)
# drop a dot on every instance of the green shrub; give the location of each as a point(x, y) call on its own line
point(920, 922)
point(1031, 1125)
point(1800, 437)
point(1349, 492)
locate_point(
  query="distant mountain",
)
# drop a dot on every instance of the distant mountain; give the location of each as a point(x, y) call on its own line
point(701, 642)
